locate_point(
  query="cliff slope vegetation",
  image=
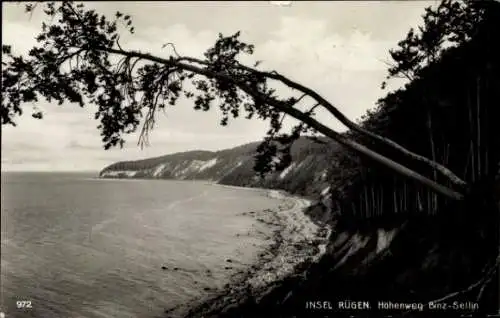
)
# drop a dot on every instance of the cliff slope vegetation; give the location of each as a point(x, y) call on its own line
point(306, 175)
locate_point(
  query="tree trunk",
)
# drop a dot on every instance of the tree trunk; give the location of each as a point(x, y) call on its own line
point(401, 199)
point(374, 206)
point(381, 203)
point(471, 129)
point(429, 202)
point(419, 202)
point(433, 155)
point(284, 107)
point(478, 126)
point(366, 199)
point(395, 200)
point(405, 207)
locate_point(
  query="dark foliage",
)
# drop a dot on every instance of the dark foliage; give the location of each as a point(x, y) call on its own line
point(73, 64)
point(447, 112)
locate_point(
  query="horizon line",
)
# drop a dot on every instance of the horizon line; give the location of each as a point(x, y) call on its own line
point(62, 171)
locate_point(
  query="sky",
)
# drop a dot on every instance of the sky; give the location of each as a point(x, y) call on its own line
point(340, 49)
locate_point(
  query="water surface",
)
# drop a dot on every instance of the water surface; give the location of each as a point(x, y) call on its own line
point(77, 246)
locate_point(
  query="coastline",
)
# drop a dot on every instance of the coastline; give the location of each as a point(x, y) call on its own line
point(296, 242)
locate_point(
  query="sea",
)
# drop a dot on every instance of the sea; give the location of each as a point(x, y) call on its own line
point(74, 245)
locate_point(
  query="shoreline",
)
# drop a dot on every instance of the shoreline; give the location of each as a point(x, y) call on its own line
point(296, 241)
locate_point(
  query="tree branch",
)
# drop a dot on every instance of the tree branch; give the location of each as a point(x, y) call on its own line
point(454, 179)
point(173, 48)
point(354, 145)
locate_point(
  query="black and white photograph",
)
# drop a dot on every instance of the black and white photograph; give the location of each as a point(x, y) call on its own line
point(250, 159)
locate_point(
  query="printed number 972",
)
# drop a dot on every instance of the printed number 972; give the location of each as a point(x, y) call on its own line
point(23, 304)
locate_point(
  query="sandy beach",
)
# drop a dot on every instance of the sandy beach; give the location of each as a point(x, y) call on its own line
point(296, 241)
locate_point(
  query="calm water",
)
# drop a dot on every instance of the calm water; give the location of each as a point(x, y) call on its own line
point(75, 246)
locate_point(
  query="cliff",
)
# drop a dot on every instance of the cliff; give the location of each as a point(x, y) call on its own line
point(307, 175)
